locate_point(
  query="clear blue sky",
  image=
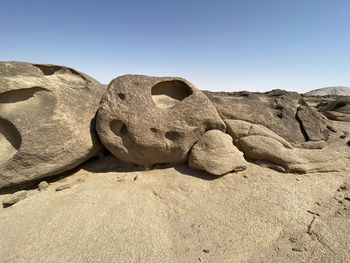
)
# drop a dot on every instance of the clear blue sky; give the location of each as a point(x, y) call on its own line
point(252, 45)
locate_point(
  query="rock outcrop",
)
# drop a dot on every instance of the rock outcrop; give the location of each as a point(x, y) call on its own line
point(46, 120)
point(338, 109)
point(261, 144)
point(313, 124)
point(215, 153)
point(150, 120)
point(264, 147)
point(284, 113)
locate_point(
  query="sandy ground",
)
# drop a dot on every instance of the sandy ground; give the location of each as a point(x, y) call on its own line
point(176, 215)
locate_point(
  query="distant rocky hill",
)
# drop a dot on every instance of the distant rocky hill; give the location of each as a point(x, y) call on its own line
point(335, 91)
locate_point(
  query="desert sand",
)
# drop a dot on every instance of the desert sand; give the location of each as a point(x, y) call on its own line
point(172, 214)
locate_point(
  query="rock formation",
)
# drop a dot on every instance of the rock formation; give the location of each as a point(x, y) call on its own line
point(215, 153)
point(284, 113)
point(150, 120)
point(46, 120)
point(338, 109)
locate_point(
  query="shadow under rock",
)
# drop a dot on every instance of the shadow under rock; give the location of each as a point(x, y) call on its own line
point(184, 169)
point(32, 185)
point(109, 163)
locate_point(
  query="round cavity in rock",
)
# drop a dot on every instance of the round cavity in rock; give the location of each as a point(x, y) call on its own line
point(121, 96)
point(118, 127)
point(172, 135)
point(167, 94)
point(10, 140)
point(121, 130)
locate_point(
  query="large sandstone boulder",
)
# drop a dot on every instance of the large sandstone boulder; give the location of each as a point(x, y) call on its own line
point(284, 113)
point(46, 120)
point(149, 120)
point(215, 153)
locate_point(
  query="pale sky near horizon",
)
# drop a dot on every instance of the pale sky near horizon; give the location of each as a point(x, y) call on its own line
point(254, 45)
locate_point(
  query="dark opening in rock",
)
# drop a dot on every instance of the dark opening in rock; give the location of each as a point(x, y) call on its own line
point(172, 135)
point(20, 95)
point(48, 69)
point(121, 96)
point(121, 130)
point(167, 94)
point(118, 127)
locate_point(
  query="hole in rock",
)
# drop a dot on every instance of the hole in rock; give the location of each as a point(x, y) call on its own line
point(32, 103)
point(167, 94)
point(121, 96)
point(121, 130)
point(172, 135)
point(154, 130)
point(19, 95)
point(48, 69)
point(68, 73)
point(10, 140)
point(118, 127)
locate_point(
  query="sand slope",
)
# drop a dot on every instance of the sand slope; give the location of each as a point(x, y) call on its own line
point(177, 215)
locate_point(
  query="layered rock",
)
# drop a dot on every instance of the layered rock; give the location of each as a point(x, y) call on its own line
point(264, 147)
point(284, 113)
point(149, 120)
point(46, 120)
point(338, 109)
point(313, 124)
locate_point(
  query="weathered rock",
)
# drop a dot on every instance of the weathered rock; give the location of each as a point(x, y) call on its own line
point(14, 198)
point(149, 120)
point(238, 129)
point(275, 110)
point(260, 144)
point(263, 146)
point(43, 185)
point(338, 110)
point(313, 124)
point(46, 120)
point(216, 154)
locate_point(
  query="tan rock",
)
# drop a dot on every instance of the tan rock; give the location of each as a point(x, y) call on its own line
point(238, 129)
point(46, 120)
point(216, 154)
point(149, 120)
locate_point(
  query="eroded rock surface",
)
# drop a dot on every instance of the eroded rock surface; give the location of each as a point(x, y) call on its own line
point(265, 147)
point(46, 120)
point(276, 110)
point(338, 109)
point(313, 124)
point(149, 120)
point(215, 153)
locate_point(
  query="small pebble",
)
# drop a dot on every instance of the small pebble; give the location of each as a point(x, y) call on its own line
point(206, 250)
point(63, 187)
point(43, 185)
point(14, 198)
